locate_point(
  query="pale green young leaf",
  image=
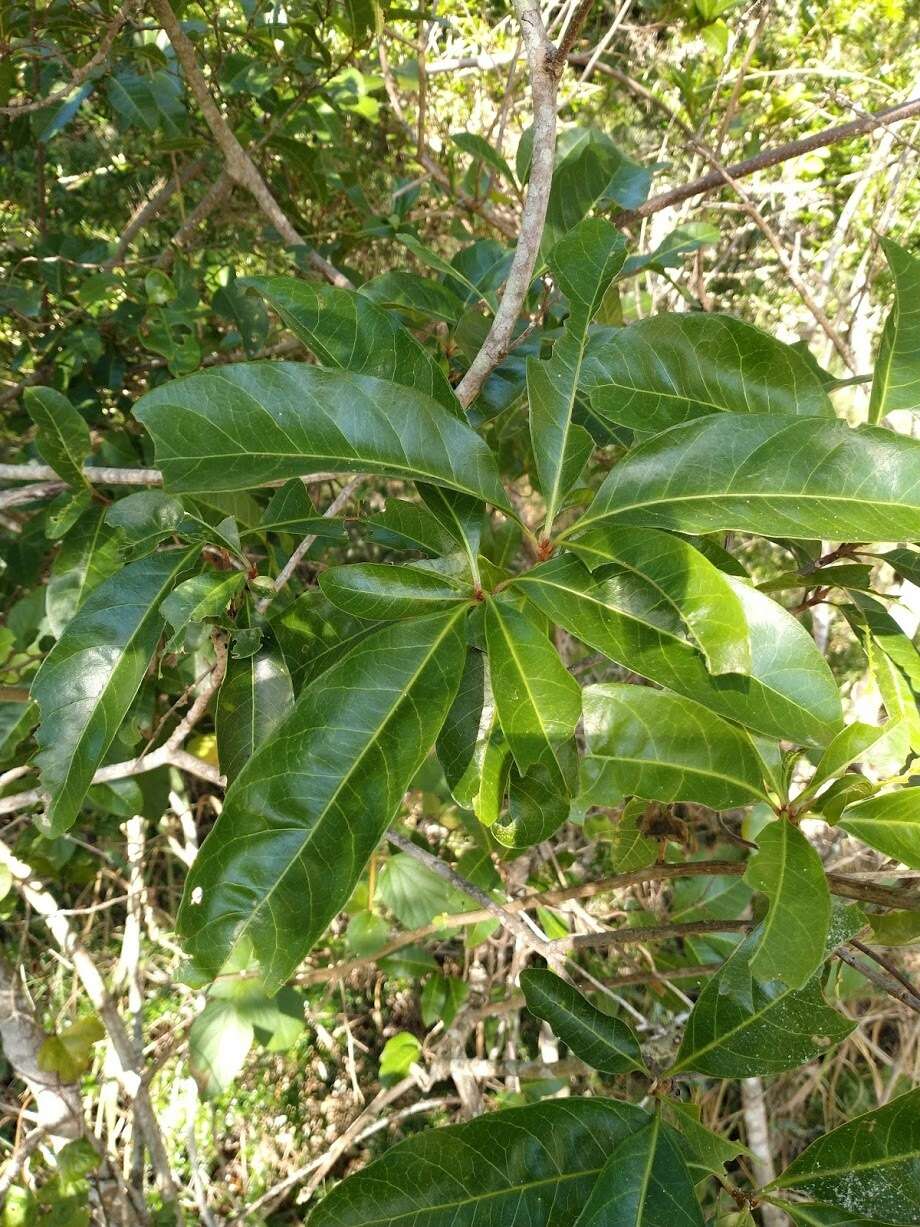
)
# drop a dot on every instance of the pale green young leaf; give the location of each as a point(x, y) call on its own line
point(671, 368)
point(700, 594)
point(663, 747)
point(250, 423)
point(791, 940)
point(301, 820)
point(62, 438)
point(896, 382)
point(605, 1043)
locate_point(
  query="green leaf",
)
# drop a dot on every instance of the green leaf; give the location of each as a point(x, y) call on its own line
point(414, 894)
point(631, 848)
point(889, 823)
point(399, 1054)
point(700, 594)
point(782, 1027)
point(538, 700)
point(790, 693)
point(536, 1165)
point(219, 1041)
point(590, 171)
point(459, 515)
point(481, 151)
point(348, 330)
point(895, 928)
point(815, 1215)
point(583, 264)
point(69, 1053)
point(441, 998)
point(605, 1043)
point(246, 312)
point(407, 526)
point(291, 510)
point(706, 1152)
point(896, 382)
point(460, 735)
point(645, 1183)
point(538, 804)
point(778, 476)
point(261, 421)
point(145, 519)
point(671, 368)
point(380, 591)
point(90, 553)
point(367, 933)
point(254, 698)
point(791, 940)
point(422, 296)
point(63, 436)
point(313, 635)
point(869, 1166)
point(301, 820)
point(904, 563)
point(17, 720)
point(663, 747)
point(849, 744)
point(88, 680)
point(203, 596)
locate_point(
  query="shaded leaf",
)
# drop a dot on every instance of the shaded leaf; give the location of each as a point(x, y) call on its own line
point(62, 438)
point(90, 553)
point(896, 382)
point(255, 696)
point(605, 1043)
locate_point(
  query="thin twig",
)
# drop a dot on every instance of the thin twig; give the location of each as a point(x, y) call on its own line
point(891, 987)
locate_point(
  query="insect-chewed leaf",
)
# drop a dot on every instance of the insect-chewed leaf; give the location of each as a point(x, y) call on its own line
point(89, 679)
point(788, 870)
point(672, 368)
point(889, 823)
point(304, 815)
point(348, 330)
point(63, 436)
point(605, 1043)
point(896, 383)
point(255, 422)
point(534, 1165)
point(869, 1166)
point(646, 743)
point(700, 594)
point(382, 591)
point(790, 693)
point(775, 475)
point(782, 1028)
point(645, 1183)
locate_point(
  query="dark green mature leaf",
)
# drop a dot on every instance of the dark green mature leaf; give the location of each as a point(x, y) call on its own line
point(459, 515)
point(480, 150)
point(791, 477)
point(791, 940)
point(645, 1183)
point(63, 436)
point(254, 698)
point(456, 744)
point(672, 368)
point(291, 510)
point(869, 1166)
point(896, 382)
point(790, 693)
point(605, 1043)
point(304, 815)
point(700, 594)
point(663, 747)
point(889, 823)
point(203, 596)
point(145, 519)
point(408, 526)
point(348, 330)
point(380, 591)
point(90, 553)
point(313, 635)
point(781, 1029)
point(536, 1165)
point(538, 700)
point(905, 563)
point(590, 171)
point(16, 722)
point(89, 679)
point(583, 264)
point(704, 1150)
point(538, 804)
point(817, 1215)
point(260, 421)
point(422, 296)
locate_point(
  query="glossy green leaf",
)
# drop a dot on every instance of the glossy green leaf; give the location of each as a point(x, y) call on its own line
point(254, 698)
point(399, 1054)
point(17, 720)
point(605, 1043)
point(590, 172)
point(261, 421)
point(460, 733)
point(62, 438)
point(408, 526)
point(645, 1183)
point(896, 382)
point(781, 1029)
point(583, 264)
point(291, 510)
point(90, 553)
point(88, 680)
point(421, 296)
point(869, 1166)
point(672, 368)
point(648, 743)
point(700, 594)
point(538, 700)
point(889, 823)
point(778, 476)
point(704, 1150)
point(441, 999)
point(535, 1164)
point(313, 635)
point(348, 330)
point(538, 805)
point(790, 693)
point(791, 940)
point(905, 563)
point(382, 591)
point(460, 516)
point(145, 519)
point(304, 815)
point(480, 150)
point(816, 1215)
point(849, 744)
point(206, 595)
